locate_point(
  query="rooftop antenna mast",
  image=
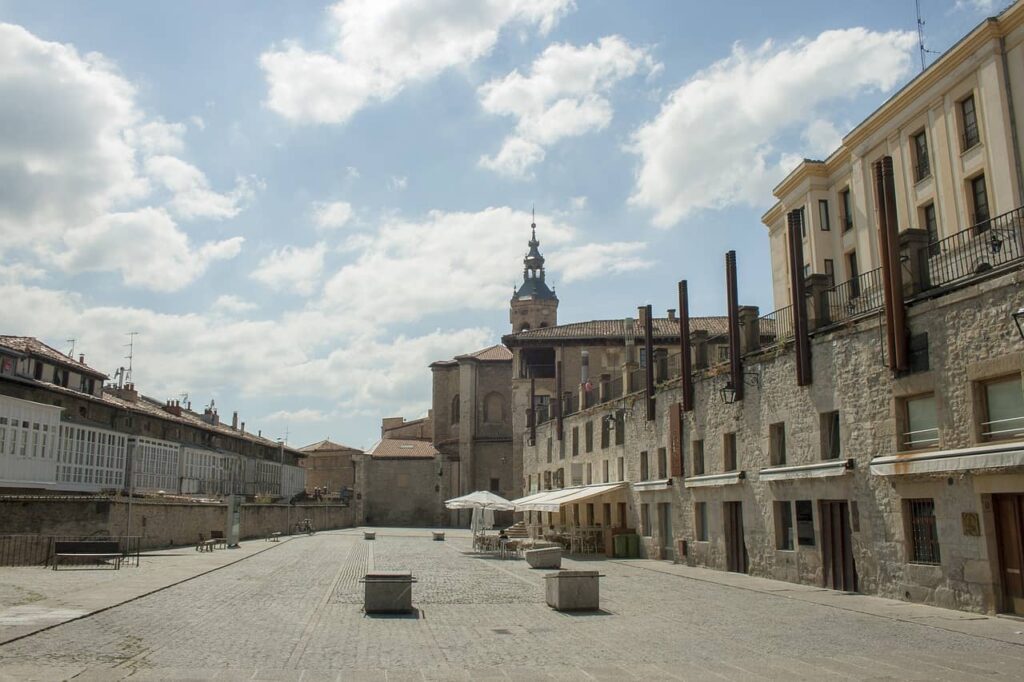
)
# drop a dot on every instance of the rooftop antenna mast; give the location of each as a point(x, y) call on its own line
point(71, 353)
point(920, 36)
point(131, 354)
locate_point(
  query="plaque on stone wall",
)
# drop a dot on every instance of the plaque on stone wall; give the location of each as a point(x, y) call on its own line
point(972, 526)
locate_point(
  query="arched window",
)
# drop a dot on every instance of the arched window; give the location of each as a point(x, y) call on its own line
point(494, 408)
point(455, 409)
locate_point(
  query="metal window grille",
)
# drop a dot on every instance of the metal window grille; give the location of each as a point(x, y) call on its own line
point(924, 537)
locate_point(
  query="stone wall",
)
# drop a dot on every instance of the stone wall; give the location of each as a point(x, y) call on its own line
point(400, 492)
point(970, 338)
point(160, 524)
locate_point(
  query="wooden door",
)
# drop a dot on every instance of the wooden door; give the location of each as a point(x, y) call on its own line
point(665, 526)
point(1009, 516)
point(838, 568)
point(735, 547)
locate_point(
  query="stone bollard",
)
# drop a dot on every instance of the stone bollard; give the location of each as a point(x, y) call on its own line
point(439, 535)
point(369, 535)
point(573, 590)
point(546, 557)
point(388, 592)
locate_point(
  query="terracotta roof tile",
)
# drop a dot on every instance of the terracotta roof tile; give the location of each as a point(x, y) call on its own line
point(30, 345)
point(327, 446)
point(396, 448)
point(606, 329)
point(497, 352)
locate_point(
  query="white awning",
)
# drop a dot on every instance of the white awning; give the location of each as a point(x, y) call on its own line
point(647, 486)
point(943, 461)
point(552, 500)
point(589, 491)
point(546, 501)
point(816, 470)
point(728, 478)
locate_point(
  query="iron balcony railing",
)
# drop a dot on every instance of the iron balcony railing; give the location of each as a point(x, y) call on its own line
point(532, 371)
point(570, 404)
point(858, 296)
point(986, 245)
point(776, 326)
point(1011, 427)
point(718, 350)
point(614, 389)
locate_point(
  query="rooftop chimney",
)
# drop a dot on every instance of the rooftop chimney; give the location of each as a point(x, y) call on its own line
point(81, 358)
point(243, 427)
point(672, 314)
point(234, 420)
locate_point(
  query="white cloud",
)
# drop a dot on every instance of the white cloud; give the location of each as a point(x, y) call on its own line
point(397, 183)
point(302, 356)
point(331, 215)
point(563, 96)
point(352, 173)
point(593, 260)
point(197, 122)
point(292, 268)
point(382, 46)
point(78, 162)
point(158, 137)
point(64, 152)
point(145, 246)
point(578, 203)
point(713, 144)
point(191, 193)
point(301, 415)
point(445, 262)
point(230, 304)
point(986, 6)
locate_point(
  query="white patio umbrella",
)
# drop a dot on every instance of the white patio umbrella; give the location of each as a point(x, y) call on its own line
point(481, 499)
point(483, 503)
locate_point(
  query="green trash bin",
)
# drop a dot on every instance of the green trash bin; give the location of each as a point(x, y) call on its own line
point(620, 546)
point(633, 550)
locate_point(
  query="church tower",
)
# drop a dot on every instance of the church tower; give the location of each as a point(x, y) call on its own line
point(534, 304)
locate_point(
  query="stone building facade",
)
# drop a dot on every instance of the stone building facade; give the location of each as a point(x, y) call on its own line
point(399, 483)
point(329, 466)
point(473, 424)
point(868, 435)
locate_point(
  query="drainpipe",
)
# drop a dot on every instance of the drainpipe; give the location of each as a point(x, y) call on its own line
point(1013, 121)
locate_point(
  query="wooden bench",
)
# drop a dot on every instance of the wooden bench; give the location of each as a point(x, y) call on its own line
point(217, 536)
point(98, 550)
point(274, 537)
point(205, 545)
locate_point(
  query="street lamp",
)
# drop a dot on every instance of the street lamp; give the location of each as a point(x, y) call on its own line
point(728, 392)
point(1018, 318)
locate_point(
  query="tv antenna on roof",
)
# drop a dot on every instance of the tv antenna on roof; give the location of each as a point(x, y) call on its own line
point(920, 36)
point(131, 354)
point(71, 353)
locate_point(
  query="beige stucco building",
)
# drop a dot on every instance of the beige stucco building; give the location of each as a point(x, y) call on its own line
point(329, 466)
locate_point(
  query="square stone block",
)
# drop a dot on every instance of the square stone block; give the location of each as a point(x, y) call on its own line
point(369, 535)
point(573, 590)
point(439, 535)
point(547, 557)
point(388, 592)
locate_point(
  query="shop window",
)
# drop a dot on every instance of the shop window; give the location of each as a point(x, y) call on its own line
point(924, 536)
point(784, 525)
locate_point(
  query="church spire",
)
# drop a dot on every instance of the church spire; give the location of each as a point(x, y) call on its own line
point(533, 269)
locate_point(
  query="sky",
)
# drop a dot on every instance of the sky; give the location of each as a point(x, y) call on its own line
point(299, 206)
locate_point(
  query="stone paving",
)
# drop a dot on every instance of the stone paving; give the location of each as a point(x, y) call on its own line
point(294, 613)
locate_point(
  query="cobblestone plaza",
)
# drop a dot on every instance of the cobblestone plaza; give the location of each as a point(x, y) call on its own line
point(294, 612)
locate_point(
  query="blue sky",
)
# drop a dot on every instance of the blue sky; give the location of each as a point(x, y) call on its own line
point(300, 205)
